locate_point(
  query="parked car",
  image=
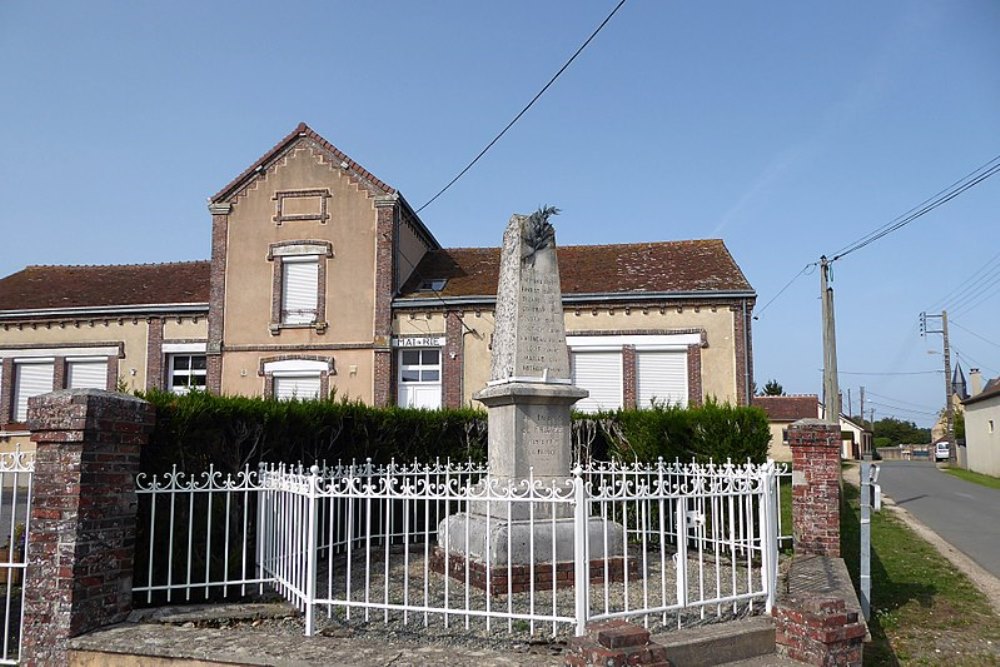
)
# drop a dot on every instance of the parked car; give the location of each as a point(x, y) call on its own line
point(942, 451)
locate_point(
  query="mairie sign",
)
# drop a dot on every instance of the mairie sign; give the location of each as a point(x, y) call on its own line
point(424, 341)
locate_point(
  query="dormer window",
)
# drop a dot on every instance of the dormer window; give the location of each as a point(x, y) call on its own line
point(432, 284)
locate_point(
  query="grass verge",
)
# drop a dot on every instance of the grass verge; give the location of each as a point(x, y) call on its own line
point(975, 477)
point(924, 612)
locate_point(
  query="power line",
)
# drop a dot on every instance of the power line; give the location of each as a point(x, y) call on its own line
point(973, 360)
point(889, 373)
point(898, 408)
point(955, 189)
point(968, 287)
point(899, 400)
point(967, 330)
point(967, 306)
point(526, 107)
point(804, 270)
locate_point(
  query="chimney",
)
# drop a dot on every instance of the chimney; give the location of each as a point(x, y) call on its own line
point(976, 381)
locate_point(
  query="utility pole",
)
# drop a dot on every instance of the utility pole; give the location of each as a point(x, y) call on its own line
point(949, 407)
point(831, 389)
point(850, 404)
point(863, 407)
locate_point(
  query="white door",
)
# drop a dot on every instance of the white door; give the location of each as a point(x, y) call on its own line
point(420, 378)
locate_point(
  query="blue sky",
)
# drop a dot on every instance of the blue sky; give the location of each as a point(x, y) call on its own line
point(788, 129)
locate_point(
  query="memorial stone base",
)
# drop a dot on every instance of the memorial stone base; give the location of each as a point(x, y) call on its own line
point(481, 550)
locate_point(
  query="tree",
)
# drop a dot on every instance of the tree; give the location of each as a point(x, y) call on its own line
point(897, 432)
point(773, 388)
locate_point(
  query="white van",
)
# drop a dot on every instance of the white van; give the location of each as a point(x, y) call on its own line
point(942, 451)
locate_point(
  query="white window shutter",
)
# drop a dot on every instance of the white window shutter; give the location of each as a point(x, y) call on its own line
point(87, 375)
point(302, 388)
point(299, 291)
point(600, 373)
point(31, 380)
point(661, 377)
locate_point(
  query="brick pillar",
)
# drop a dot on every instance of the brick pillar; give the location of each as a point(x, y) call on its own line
point(694, 374)
point(217, 294)
point(629, 385)
point(81, 549)
point(59, 373)
point(815, 447)
point(615, 642)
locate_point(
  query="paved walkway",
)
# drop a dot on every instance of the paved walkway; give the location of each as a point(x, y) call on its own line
point(272, 634)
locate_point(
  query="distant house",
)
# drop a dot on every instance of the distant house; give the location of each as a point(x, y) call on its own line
point(982, 435)
point(782, 411)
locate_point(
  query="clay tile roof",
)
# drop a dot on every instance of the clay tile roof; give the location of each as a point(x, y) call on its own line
point(788, 408)
point(38, 287)
point(667, 266)
point(301, 130)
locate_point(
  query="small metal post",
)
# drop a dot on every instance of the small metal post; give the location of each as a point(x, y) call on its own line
point(581, 566)
point(311, 553)
point(770, 536)
point(866, 529)
point(681, 557)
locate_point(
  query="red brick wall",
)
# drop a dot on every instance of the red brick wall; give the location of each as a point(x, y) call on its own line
point(154, 354)
point(819, 631)
point(217, 296)
point(81, 551)
point(694, 375)
point(385, 236)
point(815, 449)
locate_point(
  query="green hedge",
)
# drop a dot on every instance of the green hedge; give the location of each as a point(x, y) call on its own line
point(229, 432)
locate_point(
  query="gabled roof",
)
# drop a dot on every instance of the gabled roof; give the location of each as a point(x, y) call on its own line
point(788, 408)
point(991, 390)
point(301, 131)
point(623, 269)
point(76, 287)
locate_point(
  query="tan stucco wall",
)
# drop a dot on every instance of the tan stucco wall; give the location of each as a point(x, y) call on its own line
point(186, 329)
point(778, 449)
point(350, 276)
point(718, 360)
point(133, 333)
point(352, 379)
point(982, 447)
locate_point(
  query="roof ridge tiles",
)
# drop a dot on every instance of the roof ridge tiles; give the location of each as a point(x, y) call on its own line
point(109, 266)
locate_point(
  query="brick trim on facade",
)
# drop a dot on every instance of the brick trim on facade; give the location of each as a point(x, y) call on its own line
point(154, 354)
point(217, 296)
point(630, 389)
point(815, 447)
point(6, 390)
point(695, 395)
point(59, 373)
point(280, 197)
point(453, 361)
point(387, 213)
point(83, 516)
point(742, 344)
point(112, 381)
point(329, 361)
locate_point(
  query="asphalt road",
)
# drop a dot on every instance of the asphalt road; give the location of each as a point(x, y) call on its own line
point(965, 515)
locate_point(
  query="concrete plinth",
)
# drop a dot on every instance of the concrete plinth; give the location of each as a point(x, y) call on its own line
point(499, 542)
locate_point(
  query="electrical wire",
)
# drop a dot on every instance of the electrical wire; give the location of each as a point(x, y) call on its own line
point(970, 331)
point(526, 107)
point(804, 270)
point(899, 400)
point(898, 408)
point(888, 373)
point(969, 357)
point(970, 180)
point(969, 305)
point(968, 288)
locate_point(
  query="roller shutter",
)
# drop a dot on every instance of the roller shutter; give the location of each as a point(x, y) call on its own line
point(600, 373)
point(302, 388)
point(87, 375)
point(31, 379)
point(300, 283)
point(661, 377)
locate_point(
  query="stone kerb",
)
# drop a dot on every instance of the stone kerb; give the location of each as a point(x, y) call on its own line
point(815, 446)
point(82, 538)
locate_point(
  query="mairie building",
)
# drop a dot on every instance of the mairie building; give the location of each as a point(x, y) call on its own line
point(324, 282)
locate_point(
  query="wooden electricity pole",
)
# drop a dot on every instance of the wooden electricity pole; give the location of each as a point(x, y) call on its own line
point(831, 388)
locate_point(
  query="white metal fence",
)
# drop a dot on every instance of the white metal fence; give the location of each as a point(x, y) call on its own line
point(16, 485)
point(665, 544)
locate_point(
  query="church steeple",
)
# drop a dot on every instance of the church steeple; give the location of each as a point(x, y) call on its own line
point(958, 386)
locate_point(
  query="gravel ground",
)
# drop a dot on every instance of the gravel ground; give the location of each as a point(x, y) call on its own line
point(407, 584)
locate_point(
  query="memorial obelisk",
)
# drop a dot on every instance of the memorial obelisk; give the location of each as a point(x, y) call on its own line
point(528, 398)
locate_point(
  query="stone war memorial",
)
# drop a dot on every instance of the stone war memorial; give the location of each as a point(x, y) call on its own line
point(528, 397)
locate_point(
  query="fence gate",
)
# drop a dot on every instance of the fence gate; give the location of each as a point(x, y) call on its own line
point(16, 475)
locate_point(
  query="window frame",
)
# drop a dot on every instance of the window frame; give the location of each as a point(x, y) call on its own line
point(291, 252)
point(190, 372)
